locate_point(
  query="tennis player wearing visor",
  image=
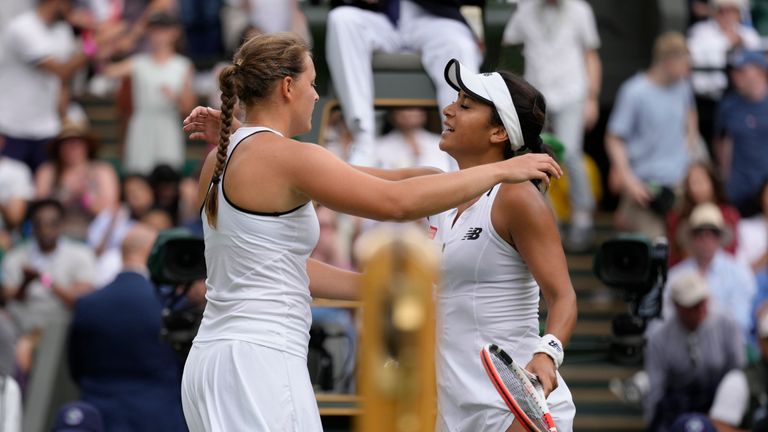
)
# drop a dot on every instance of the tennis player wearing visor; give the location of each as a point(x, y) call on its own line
point(499, 251)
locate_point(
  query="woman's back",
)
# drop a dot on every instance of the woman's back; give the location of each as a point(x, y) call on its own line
point(257, 286)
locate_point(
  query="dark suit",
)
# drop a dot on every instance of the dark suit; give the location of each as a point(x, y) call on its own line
point(119, 362)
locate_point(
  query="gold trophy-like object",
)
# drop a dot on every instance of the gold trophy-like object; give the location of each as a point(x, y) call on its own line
point(396, 371)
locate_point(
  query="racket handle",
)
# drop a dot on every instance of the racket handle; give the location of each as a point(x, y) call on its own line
point(549, 422)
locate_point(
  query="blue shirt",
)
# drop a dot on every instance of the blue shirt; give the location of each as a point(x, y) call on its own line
point(651, 120)
point(746, 124)
point(731, 283)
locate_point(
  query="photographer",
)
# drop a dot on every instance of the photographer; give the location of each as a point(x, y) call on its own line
point(115, 355)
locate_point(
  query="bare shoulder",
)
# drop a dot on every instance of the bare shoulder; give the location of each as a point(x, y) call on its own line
point(521, 200)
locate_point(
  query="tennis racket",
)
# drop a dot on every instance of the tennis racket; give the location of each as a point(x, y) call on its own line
point(519, 388)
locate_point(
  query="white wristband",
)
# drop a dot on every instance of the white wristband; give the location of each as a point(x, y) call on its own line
point(551, 346)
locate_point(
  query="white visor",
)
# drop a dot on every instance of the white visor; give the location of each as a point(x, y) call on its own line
point(491, 89)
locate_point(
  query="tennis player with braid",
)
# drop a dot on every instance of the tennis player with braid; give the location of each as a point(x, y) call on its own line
point(247, 368)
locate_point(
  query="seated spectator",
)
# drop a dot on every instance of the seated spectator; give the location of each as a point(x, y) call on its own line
point(116, 356)
point(410, 145)
point(701, 185)
point(15, 190)
point(741, 400)
point(166, 186)
point(651, 134)
point(73, 176)
point(358, 29)
point(740, 131)
point(710, 42)
point(162, 89)
point(732, 283)
point(688, 355)
point(138, 195)
point(328, 321)
point(78, 417)
point(753, 235)
point(42, 278)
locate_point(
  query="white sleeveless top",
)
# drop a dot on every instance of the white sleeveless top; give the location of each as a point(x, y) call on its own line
point(257, 285)
point(487, 295)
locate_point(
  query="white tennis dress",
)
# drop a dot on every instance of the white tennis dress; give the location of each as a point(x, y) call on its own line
point(488, 295)
point(247, 370)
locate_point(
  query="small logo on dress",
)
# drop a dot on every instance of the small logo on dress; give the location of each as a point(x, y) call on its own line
point(473, 234)
point(432, 232)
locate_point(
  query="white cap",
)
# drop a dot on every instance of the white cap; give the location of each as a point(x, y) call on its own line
point(728, 3)
point(491, 89)
point(688, 289)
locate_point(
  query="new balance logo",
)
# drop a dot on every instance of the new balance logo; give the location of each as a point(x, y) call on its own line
point(555, 345)
point(473, 234)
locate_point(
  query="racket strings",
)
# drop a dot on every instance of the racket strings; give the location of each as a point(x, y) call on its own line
point(519, 391)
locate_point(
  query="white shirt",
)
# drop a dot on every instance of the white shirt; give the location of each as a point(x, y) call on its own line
point(393, 152)
point(15, 182)
point(753, 239)
point(709, 48)
point(257, 285)
point(556, 39)
point(29, 106)
point(731, 399)
point(70, 262)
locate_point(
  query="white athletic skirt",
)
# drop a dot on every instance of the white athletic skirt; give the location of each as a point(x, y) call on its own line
point(240, 386)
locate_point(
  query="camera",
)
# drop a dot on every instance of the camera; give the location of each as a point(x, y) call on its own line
point(176, 262)
point(637, 267)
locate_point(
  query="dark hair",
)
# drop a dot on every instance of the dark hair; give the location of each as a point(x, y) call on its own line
point(531, 109)
point(36, 206)
point(258, 65)
point(687, 205)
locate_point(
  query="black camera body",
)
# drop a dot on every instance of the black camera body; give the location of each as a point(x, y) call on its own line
point(176, 261)
point(637, 267)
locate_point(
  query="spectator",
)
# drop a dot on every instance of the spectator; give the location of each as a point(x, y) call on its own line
point(410, 145)
point(138, 195)
point(355, 33)
point(337, 137)
point(328, 322)
point(105, 235)
point(753, 235)
point(39, 57)
point(650, 132)
point(564, 32)
point(731, 282)
point(116, 356)
point(710, 42)
point(741, 129)
point(688, 355)
point(165, 182)
point(161, 83)
point(741, 400)
point(42, 278)
point(78, 417)
point(700, 186)
point(15, 190)
point(74, 177)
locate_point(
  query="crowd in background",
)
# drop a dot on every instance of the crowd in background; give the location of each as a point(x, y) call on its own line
point(686, 139)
